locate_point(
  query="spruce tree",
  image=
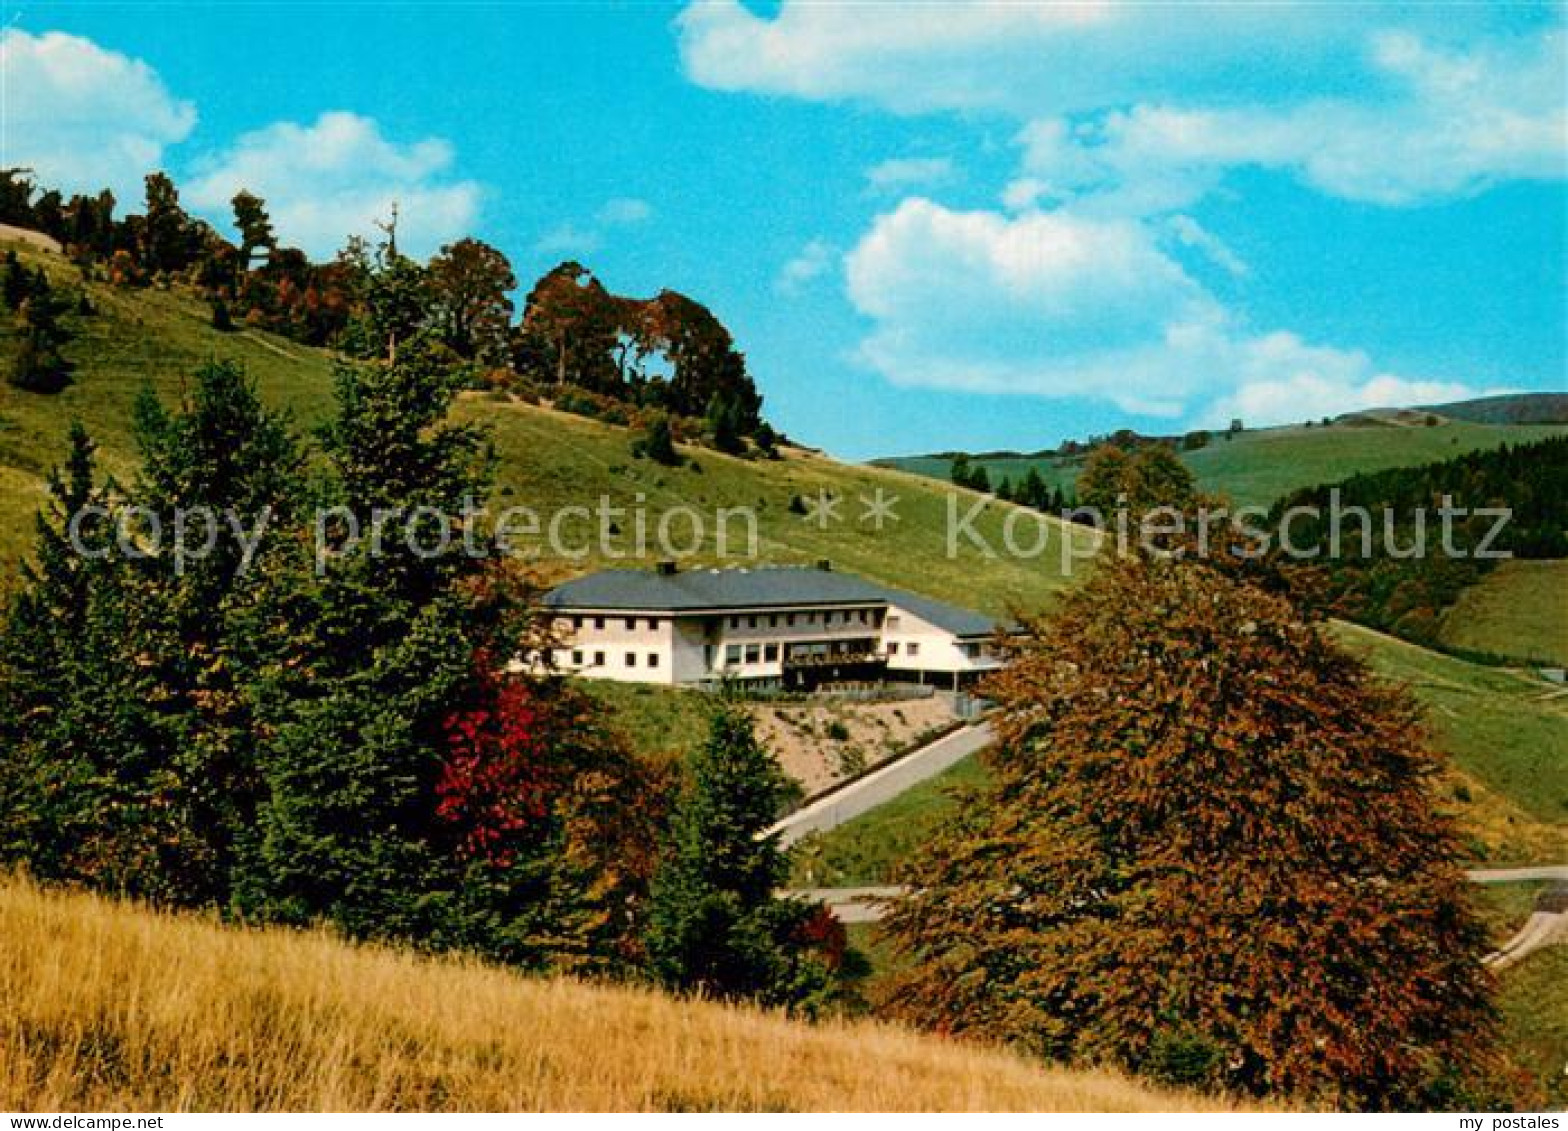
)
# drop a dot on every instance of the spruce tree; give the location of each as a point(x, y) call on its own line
point(1210, 853)
point(356, 669)
point(44, 807)
point(232, 467)
point(716, 927)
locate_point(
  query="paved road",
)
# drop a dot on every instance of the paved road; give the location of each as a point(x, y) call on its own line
point(882, 784)
point(1547, 925)
point(849, 905)
point(1519, 875)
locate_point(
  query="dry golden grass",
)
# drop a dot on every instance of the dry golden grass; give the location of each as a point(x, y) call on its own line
point(111, 1007)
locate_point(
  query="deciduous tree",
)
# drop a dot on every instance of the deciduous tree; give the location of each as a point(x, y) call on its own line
point(1210, 853)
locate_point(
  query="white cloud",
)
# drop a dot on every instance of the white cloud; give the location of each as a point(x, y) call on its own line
point(1147, 105)
point(1133, 113)
point(1447, 124)
point(900, 173)
point(336, 177)
point(1308, 395)
point(811, 263)
point(82, 117)
point(1033, 60)
point(1062, 304)
point(624, 210)
point(573, 238)
point(1189, 233)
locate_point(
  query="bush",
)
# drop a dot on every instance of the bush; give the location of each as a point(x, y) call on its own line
point(39, 368)
point(657, 443)
point(1182, 1058)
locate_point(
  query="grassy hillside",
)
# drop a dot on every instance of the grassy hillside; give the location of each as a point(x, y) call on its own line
point(1505, 732)
point(1257, 467)
point(1509, 408)
point(1519, 609)
point(113, 1008)
point(549, 460)
point(136, 338)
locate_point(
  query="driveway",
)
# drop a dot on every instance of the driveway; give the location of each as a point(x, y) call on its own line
point(834, 807)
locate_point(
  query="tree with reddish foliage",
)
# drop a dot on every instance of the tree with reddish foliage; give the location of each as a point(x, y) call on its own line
point(469, 281)
point(1209, 853)
point(533, 792)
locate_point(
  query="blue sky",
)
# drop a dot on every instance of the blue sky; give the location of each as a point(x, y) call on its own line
point(974, 226)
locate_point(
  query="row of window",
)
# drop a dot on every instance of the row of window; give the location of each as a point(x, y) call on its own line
point(598, 622)
point(773, 620)
point(598, 659)
point(769, 653)
point(752, 653)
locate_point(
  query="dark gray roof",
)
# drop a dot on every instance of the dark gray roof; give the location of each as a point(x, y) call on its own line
point(702, 590)
point(958, 621)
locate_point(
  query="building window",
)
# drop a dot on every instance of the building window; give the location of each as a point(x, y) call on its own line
point(577, 622)
point(577, 659)
point(753, 653)
point(734, 622)
point(771, 653)
point(751, 622)
point(598, 622)
point(653, 659)
point(773, 621)
point(972, 651)
point(631, 624)
point(732, 653)
point(789, 620)
point(653, 624)
point(914, 648)
point(891, 622)
point(631, 659)
point(598, 659)
point(892, 648)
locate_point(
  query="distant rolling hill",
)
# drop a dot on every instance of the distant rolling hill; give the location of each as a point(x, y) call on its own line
point(1510, 408)
point(1259, 466)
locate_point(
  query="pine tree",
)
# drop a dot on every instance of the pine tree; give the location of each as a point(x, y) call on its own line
point(1210, 854)
point(224, 458)
point(960, 470)
point(716, 927)
point(355, 670)
point(1034, 492)
point(725, 425)
point(43, 804)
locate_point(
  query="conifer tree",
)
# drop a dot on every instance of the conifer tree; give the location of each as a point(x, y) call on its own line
point(356, 669)
point(43, 786)
point(716, 927)
point(229, 468)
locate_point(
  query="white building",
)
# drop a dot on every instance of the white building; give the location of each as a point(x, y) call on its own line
point(785, 626)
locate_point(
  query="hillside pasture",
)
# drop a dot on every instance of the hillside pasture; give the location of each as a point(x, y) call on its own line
point(110, 1007)
point(1259, 466)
